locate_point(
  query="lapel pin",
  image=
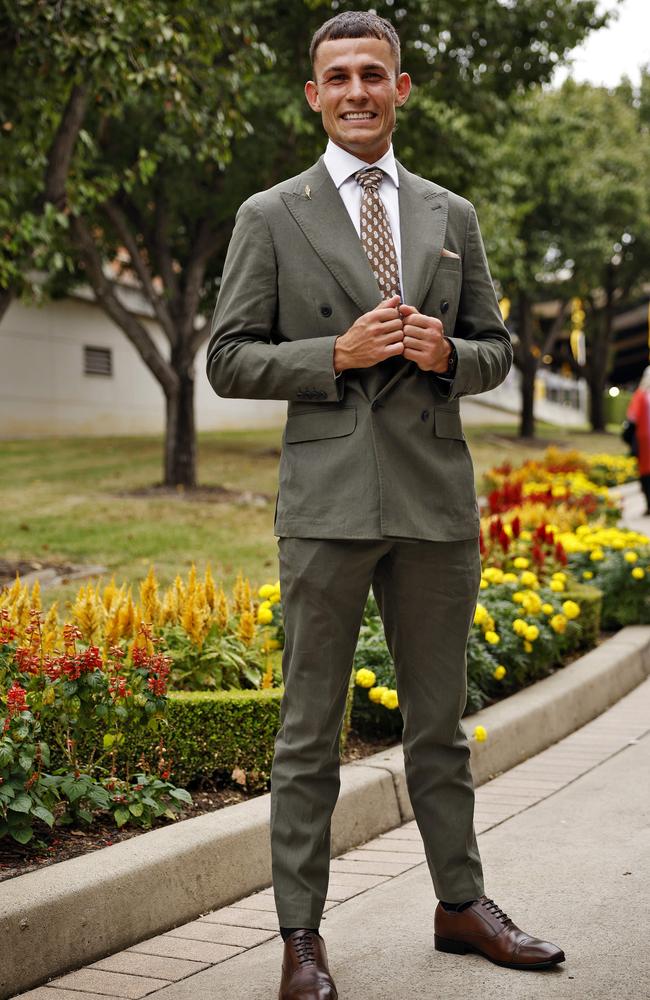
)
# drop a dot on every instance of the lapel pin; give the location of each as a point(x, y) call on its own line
point(308, 191)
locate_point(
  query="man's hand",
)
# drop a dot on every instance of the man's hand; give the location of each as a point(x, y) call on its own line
point(375, 336)
point(424, 340)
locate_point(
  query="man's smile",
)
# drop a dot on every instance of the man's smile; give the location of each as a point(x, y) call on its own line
point(358, 116)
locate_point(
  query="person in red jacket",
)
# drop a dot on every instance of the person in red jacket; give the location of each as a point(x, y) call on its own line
point(638, 413)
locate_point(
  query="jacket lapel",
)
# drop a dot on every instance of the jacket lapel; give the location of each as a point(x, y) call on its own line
point(318, 208)
point(423, 224)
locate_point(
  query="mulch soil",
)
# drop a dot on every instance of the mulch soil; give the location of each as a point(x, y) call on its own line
point(64, 842)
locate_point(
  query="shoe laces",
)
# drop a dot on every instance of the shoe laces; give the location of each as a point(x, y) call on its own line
point(304, 947)
point(492, 907)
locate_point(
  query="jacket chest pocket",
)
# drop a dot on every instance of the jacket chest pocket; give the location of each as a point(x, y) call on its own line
point(444, 295)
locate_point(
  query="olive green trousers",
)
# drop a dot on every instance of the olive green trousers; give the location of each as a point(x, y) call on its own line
point(426, 592)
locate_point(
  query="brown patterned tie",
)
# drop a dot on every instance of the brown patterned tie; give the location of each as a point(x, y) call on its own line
point(376, 237)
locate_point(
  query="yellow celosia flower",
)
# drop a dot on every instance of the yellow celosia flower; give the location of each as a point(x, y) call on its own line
point(571, 609)
point(492, 638)
point(638, 573)
point(499, 672)
point(389, 699)
point(480, 733)
point(558, 623)
point(365, 678)
point(246, 629)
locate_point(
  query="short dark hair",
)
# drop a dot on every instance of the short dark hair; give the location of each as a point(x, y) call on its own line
point(357, 24)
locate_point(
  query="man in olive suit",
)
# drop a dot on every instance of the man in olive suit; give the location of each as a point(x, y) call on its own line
point(360, 293)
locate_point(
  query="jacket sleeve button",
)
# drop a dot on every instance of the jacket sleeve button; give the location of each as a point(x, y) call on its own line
point(424, 415)
point(326, 311)
point(444, 306)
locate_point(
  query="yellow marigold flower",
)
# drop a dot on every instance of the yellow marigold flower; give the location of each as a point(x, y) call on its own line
point(596, 555)
point(518, 597)
point(389, 699)
point(558, 623)
point(365, 678)
point(492, 638)
point(519, 626)
point(493, 574)
point(510, 578)
point(587, 575)
point(638, 573)
point(499, 673)
point(557, 586)
point(528, 578)
point(521, 562)
point(481, 614)
point(266, 590)
point(532, 603)
point(571, 609)
point(484, 584)
point(631, 557)
point(274, 597)
point(559, 576)
point(264, 614)
point(377, 693)
point(525, 535)
point(548, 609)
point(528, 646)
point(276, 586)
point(532, 633)
point(480, 733)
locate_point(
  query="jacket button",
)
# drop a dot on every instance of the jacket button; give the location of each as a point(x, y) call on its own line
point(424, 415)
point(326, 311)
point(375, 405)
point(444, 306)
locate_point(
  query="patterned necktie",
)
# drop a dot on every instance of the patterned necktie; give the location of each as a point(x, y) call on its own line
point(376, 237)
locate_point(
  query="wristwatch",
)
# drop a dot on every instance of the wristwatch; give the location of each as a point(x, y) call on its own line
point(452, 360)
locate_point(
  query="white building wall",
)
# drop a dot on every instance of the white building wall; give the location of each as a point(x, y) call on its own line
point(44, 390)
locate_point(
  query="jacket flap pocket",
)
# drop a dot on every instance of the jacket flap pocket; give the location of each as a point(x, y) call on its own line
point(447, 424)
point(323, 424)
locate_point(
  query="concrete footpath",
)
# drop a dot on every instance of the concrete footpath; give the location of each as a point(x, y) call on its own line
point(565, 842)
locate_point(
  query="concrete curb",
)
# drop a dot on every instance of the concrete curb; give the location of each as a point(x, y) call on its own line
point(78, 911)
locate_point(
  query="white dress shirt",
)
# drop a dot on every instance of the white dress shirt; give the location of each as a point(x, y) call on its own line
point(342, 166)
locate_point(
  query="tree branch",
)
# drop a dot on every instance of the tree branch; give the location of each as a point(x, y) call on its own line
point(119, 221)
point(133, 328)
point(62, 148)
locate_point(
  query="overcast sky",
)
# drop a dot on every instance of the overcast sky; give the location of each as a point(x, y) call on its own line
point(613, 52)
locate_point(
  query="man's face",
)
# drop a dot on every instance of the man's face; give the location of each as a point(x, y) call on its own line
point(356, 92)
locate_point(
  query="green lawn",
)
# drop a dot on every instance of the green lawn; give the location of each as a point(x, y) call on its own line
point(62, 498)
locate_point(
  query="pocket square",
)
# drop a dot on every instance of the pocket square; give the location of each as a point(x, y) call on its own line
point(449, 253)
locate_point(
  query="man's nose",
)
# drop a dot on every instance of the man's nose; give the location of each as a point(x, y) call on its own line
point(357, 89)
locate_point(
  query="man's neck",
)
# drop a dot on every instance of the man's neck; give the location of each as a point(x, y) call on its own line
point(368, 156)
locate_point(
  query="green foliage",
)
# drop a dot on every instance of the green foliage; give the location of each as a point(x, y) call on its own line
point(224, 662)
point(626, 596)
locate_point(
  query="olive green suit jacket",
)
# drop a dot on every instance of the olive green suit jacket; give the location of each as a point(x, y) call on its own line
point(375, 452)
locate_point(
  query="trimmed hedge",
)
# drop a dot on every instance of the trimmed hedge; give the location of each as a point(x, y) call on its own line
point(208, 733)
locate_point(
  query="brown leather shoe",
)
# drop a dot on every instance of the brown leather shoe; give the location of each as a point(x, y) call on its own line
point(305, 974)
point(483, 927)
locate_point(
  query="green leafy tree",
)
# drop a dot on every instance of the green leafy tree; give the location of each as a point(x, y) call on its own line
point(572, 219)
point(145, 124)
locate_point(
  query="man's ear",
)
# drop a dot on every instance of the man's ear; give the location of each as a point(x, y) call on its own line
point(403, 87)
point(311, 93)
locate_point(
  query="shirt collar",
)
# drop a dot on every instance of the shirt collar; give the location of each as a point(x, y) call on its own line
point(342, 165)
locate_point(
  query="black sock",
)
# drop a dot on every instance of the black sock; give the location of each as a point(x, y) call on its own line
point(286, 931)
point(457, 906)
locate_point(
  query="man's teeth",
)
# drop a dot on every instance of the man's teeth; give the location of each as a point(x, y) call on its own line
point(358, 116)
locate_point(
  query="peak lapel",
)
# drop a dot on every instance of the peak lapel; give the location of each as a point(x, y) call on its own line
point(318, 208)
point(423, 224)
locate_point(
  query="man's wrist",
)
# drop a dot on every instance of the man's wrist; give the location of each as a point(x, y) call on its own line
point(339, 360)
point(450, 360)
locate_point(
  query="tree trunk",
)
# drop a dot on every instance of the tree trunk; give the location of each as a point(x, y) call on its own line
point(6, 298)
point(527, 364)
point(180, 435)
point(600, 360)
